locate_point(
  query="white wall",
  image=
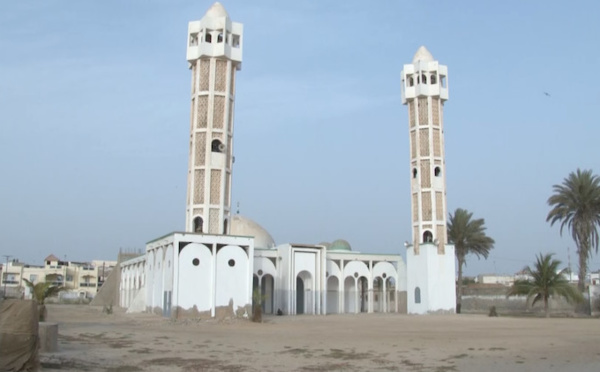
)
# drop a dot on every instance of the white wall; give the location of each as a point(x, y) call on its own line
point(194, 281)
point(234, 283)
point(434, 275)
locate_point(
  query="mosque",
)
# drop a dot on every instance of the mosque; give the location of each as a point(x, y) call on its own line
point(214, 266)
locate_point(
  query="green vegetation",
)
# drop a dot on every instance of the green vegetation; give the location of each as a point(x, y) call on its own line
point(576, 205)
point(257, 301)
point(43, 290)
point(468, 236)
point(547, 282)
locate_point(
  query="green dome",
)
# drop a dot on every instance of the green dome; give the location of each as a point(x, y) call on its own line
point(340, 245)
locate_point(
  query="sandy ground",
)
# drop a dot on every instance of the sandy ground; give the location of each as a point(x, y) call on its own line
point(92, 341)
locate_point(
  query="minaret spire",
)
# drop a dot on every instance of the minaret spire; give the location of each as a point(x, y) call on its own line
point(214, 53)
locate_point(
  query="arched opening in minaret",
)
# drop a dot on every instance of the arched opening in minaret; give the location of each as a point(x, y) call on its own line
point(198, 222)
point(417, 295)
point(217, 146)
point(437, 171)
point(225, 227)
point(411, 81)
point(427, 237)
point(194, 39)
point(443, 81)
point(414, 172)
point(235, 41)
point(208, 36)
point(220, 36)
point(432, 79)
point(423, 78)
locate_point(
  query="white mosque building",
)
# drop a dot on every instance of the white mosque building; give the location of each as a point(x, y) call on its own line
point(215, 265)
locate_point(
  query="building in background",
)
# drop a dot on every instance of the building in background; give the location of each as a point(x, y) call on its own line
point(82, 279)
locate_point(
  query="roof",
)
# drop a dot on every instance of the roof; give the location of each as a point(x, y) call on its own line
point(340, 245)
point(52, 258)
point(216, 10)
point(422, 54)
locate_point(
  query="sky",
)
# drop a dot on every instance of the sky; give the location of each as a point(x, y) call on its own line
point(94, 121)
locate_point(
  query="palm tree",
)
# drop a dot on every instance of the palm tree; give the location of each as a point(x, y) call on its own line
point(468, 236)
point(547, 282)
point(576, 205)
point(43, 290)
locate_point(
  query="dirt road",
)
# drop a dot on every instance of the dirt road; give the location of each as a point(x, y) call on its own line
point(92, 341)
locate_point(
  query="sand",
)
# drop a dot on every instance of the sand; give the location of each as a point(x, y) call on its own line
point(92, 341)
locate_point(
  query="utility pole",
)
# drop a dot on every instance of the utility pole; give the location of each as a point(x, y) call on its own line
point(5, 273)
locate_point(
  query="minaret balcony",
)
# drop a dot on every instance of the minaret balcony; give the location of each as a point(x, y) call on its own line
point(214, 50)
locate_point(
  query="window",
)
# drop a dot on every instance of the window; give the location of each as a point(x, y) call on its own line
point(427, 237)
point(194, 39)
point(432, 79)
point(198, 224)
point(414, 172)
point(437, 171)
point(424, 78)
point(33, 277)
point(220, 37)
point(235, 41)
point(443, 81)
point(208, 36)
point(217, 146)
point(417, 295)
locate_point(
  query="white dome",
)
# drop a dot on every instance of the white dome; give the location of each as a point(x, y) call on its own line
point(216, 10)
point(422, 54)
point(243, 226)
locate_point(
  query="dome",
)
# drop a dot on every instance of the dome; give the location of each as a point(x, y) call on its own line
point(422, 54)
point(216, 10)
point(243, 226)
point(340, 245)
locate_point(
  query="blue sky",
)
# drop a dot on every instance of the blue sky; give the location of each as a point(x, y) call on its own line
point(94, 119)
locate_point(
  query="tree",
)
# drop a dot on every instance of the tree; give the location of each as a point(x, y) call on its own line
point(547, 282)
point(468, 236)
point(257, 302)
point(576, 205)
point(43, 290)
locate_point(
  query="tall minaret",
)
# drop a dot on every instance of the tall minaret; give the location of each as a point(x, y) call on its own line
point(214, 53)
point(424, 90)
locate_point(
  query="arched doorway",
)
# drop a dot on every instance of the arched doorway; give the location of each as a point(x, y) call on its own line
point(333, 295)
point(363, 285)
point(304, 293)
point(267, 290)
point(349, 295)
point(378, 295)
point(299, 295)
point(391, 299)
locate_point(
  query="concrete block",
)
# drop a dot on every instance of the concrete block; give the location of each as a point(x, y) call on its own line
point(48, 337)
